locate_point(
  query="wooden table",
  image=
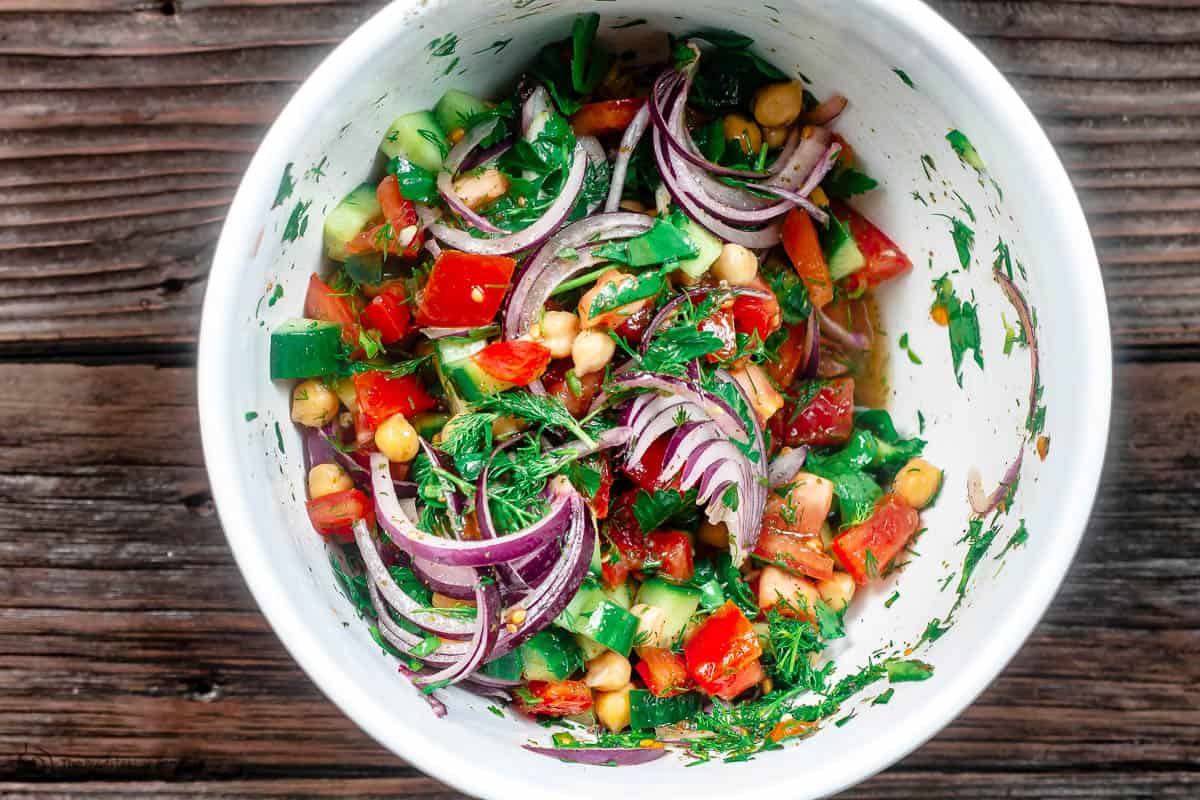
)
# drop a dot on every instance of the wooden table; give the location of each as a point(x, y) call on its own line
point(132, 659)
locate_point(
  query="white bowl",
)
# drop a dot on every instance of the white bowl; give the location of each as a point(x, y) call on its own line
point(394, 64)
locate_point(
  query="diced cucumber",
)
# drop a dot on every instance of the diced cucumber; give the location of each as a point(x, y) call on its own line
point(429, 423)
point(597, 564)
point(364, 268)
point(611, 626)
point(841, 251)
point(590, 647)
point(593, 615)
point(305, 348)
point(507, 667)
point(647, 711)
point(678, 604)
point(349, 218)
point(417, 137)
point(551, 655)
point(622, 595)
point(462, 375)
point(709, 246)
point(456, 108)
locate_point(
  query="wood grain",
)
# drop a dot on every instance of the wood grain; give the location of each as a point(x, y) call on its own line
point(132, 659)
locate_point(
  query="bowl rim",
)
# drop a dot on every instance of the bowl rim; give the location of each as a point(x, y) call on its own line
point(955, 54)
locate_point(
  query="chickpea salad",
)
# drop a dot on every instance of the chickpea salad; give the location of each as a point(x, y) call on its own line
point(585, 392)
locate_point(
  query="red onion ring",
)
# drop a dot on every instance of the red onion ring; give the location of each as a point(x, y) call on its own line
point(480, 157)
point(531, 236)
point(601, 756)
point(456, 582)
point(466, 145)
point(844, 337)
point(827, 111)
point(629, 142)
point(784, 466)
point(982, 506)
point(449, 195)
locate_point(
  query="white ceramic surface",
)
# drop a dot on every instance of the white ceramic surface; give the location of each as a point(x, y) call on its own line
point(394, 63)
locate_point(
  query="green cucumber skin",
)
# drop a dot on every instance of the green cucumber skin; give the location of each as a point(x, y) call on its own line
point(350, 217)
point(466, 378)
point(647, 711)
point(709, 246)
point(678, 603)
point(305, 348)
point(455, 108)
point(404, 139)
point(551, 655)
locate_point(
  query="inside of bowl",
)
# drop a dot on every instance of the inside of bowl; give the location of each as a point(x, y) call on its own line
point(968, 592)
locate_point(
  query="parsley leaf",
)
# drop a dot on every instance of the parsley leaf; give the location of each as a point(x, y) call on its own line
point(900, 670)
point(962, 325)
point(673, 348)
point(615, 294)
point(664, 242)
point(652, 509)
point(847, 182)
point(416, 183)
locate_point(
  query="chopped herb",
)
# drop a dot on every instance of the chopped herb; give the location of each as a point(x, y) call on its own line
point(965, 150)
point(963, 325)
point(964, 239)
point(251, 416)
point(286, 186)
point(928, 165)
point(1020, 537)
point(904, 345)
point(903, 76)
point(847, 182)
point(978, 542)
point(934, 631)
point(297, 223)
point(498, 712)
point(882, 698)
point(416, 183)
point(615, 294)
point(829, 621)
point(652, 509)
point(839, 723)
point(892, 598)
point(901, 671)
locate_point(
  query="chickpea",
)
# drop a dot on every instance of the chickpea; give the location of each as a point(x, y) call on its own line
point(483, 189)
point(313, 403)
point(736, 265)
point(445, 601)
point(775, 137)
point(608, 672)
point(779, 104)
point(744, 132)
point(558, 331)
point(326, 479)
point(917, 482)
point(714, 535)
point(397, 439)
point(612, 708)
point(591, 351)
point(758, 387)
point(838, 591)
point(652, 623)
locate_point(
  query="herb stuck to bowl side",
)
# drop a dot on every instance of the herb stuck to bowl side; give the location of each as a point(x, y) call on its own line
point(578, 392)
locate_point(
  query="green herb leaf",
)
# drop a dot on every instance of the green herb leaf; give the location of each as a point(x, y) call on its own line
point(416, 183)
point(965, 150)
point(615, 294)
point(847, 182)
point(829, 621)
point(900, 671)
point(652, 509)
point(963, 325)
point(664, 242)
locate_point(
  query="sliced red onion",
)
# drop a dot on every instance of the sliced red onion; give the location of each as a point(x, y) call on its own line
point(466, 145)
point(827, 111)
point(531, 236)
point(601, 756)
point(536, 105)
point(784, 466)
point(983, 506)
point(464, 212)
point(596, 156)
point(456, 582)
point(807, 157)
point(754, 493)
point(685, 439)
point(480, 157)
point(669, 86)
point(661, 416)
point(433, 248)
point(456, 504)
point(544, 270)
point(800, 201)
point(812, 342)
point(1017, 299)
point(846, 338)
point(485, 634)
point(629, 142)
point(479, 553)
point(713, 406)
point(435, 703)
point(765, 237)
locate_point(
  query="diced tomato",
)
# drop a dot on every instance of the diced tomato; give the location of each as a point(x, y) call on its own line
point(379, 396)
point(599, 500)
point(786, 729)
point(757, 315)
point(556, 383)
point(748, 676)
point(721, 649)
point(645, 472)
point(828, 418)
point(321, 302)
point(673, 551)
point(516, 362)
point(333, 514)
point(884, 535)
point(803, 509)
point(804, 249)
point(388, 313)
point(794, 554)
point(633, 327)
point(554, 698)
point(663, 672)
point(792, 353)
point(795, 596)
point(720, 324)
point(628, 551)
point(464, 290)
point(885, 260)
point(609, 116)
point(400, 224)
